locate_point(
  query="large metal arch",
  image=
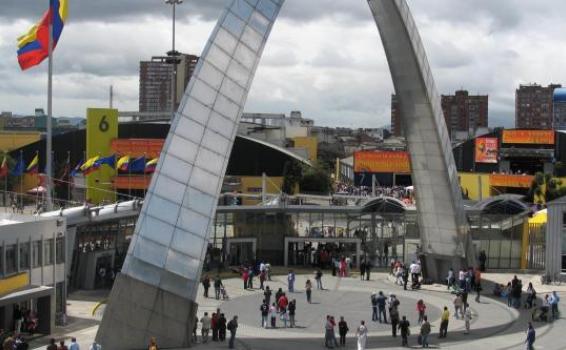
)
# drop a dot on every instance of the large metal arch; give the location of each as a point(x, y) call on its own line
point(155, 293)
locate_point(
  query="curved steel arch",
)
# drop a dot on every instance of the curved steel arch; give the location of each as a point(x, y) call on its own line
point(156, 291)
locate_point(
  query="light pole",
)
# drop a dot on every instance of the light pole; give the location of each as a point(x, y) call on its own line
point(173, 53)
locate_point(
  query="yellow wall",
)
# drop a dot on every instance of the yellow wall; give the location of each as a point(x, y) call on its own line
point(252, 185)
point(309, 143)
point(10, 284)
point(102, 128)
point(11, 140)
point(471, 182)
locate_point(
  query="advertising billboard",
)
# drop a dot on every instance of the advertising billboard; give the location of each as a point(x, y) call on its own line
point(487, 150)
point(542, 137)
point(505, 180)
point(382, 162)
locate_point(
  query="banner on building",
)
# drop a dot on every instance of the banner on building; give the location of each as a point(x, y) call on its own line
point(487, 150)
point(541, 137)
point(101, 129)
point(382, 162)
point(505, 180)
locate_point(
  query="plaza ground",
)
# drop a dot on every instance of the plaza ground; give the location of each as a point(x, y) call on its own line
point(494, 325)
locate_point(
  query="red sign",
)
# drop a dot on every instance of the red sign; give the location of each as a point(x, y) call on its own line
point(382, 162)
point(487, 149)
point(504, 180)
point(151, 148)
point(541, 137)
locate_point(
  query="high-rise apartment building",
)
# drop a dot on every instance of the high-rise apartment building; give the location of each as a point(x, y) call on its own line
point(533, 106)
point(462, 112)
point(559, 109)
point(155, 81)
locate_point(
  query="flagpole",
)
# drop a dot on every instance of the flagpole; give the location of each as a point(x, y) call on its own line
point(49, 140)
point(68, 177)
point(22, 181)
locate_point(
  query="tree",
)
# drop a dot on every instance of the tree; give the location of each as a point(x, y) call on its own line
point(316, 179)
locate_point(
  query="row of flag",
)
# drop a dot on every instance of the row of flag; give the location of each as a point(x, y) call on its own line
point(123, 164)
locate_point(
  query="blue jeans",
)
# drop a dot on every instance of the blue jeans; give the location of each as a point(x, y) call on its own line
point(232, 338)
point(425, 341)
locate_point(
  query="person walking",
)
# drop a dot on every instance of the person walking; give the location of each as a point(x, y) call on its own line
point(74, 345)
point(328, 329)
point(214, 325)
point(152, 344)
point(222, 328)
point(381, 301)
point(217, 287)
point(362, 270)
point(273, 315)
point(554, 300)
point(262, 278)
point(93, 346)
point(291, 281)
point(205, 327)
point(318, 278)
point(62, 345)
point(404, 327)
point(245, 277)
point(264, 309)
point(308, 290)
point(362, 334)
point(458, 306)
point(394, 317)
point(405, 275)
point(467, 319)
point(477, 282)
point(421, 309)
point(343, 330)
point(267, 295)
point(368, 271)
point(373, 300)
point(232, 327)
point(206, 285)
point(425, 332)
point(531, 337)
point(444, 318)
point(291, 309)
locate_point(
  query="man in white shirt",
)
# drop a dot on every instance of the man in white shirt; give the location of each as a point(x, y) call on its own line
point(206, 323)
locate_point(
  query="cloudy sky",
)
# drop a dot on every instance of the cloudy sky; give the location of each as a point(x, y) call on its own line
point(324, 56)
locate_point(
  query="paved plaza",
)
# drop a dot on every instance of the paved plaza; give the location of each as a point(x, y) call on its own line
point(494, 326)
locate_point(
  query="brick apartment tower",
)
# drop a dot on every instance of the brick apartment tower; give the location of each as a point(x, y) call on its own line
point(533, 106)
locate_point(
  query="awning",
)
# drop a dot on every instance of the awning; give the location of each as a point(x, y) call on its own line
point(32, 292)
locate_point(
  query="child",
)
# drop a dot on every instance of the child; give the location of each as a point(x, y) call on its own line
point(273, 315)
point(467, 319)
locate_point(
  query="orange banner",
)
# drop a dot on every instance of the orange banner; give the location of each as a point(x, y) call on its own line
point(151, 148)
point(487, 149)
point(504, 180)
point(131, 182)
point(382, 162)
point(542, 137)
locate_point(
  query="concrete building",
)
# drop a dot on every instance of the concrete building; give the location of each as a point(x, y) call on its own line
point(533, 106)
point(155, 82)
point(555, 253)
point(463, 113)
point(559, 109)
point(33, 269)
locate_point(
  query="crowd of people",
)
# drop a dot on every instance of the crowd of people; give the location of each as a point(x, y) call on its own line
point(74, 345)
point(403, 193)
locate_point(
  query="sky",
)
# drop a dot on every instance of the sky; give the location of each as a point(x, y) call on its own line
point(324, 57)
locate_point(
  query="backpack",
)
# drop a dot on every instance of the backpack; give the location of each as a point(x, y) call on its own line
point(230, 326)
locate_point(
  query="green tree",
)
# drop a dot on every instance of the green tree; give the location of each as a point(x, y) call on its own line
point(316, 179)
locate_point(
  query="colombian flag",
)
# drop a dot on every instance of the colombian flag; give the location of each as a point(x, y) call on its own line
point(33, 47)
point(123, 163)
point(4, 168)
point(34, 165)
point(150, 166)
point(90, 165)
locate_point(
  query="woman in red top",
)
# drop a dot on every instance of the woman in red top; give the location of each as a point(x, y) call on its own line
point(421, 308)
point(245, 276)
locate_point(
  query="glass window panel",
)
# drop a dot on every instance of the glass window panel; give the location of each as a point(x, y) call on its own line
point(242, 9)
point(59, 251)
point(218, 58)
point(11, 266)
point(221, 125)
point(176, 284)
point(204, 181)
point(226, 41)
point(239, 74)
point(232, 90)
point(181, 264)
point(253, 2)
point(36, 254)
point(163, 209)
point(190, 130)
point(210, 161)
point(199, 201)
point(167, 188)
point(267, 8)
point(193, 222)
point(183, 149)
point(259, 23)
point(216, 142)
point(176, 169)
point(226, 107)
point(197, 111)
point(24, 255)
point(48, 252)
point(211, 75)
point(151, 252)
point(233, 24)
point(245, 56)
point(188, 243)
point(156, 230)
point(144, 272)
point(252, 38)
point(203, 93)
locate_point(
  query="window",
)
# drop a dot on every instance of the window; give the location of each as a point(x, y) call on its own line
point(24, 255)
point(60, 251)
point(10, 253)
point(36, 254)
point(48, 252)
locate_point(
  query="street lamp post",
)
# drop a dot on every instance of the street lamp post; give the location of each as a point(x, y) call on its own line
point(174, 54)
